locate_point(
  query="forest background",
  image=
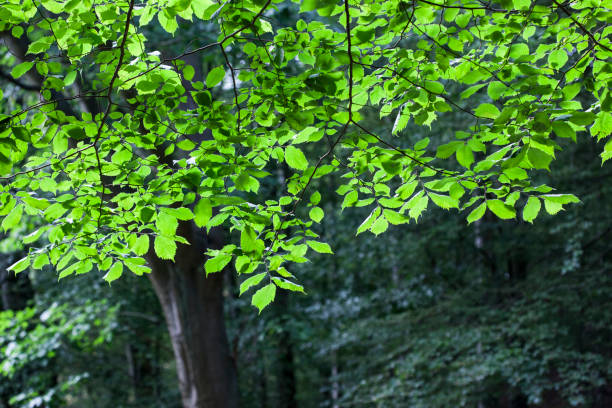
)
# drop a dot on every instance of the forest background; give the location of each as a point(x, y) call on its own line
point(494, 313)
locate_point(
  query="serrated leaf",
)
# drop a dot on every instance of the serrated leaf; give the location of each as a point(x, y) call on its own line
point(320, 247)
point(367, 223)
point(350, 199)
point(316, 214)
point(166, 223)
point(465, 156)
point(379, 226)
point(418, 206)
point(114, 272)
point(19, 70)
point(215, 76)
point(501, 209)
point(561, 198)
point(13, 218)
point(564, 130)
point(531, 209)
point(200, 6)
point(217, 263)
point(40, 261)
point(203, 212)
point(248, 238)
point(252, 281)
point(477, 213)
point(264, 296)
point(165, 247)
point(487, 110)
point(395, 218)
point(20, 265)
point(471, 91)
point(495, 89)
point(539, 159)
point(167, 21)
point(552, 207)
point(141, 245)
point(557, 58)
point(295, 158)
point(287, 285)
point(443, 201)
point(181, 213)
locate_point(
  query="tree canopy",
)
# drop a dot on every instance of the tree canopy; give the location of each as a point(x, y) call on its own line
point(122, 142)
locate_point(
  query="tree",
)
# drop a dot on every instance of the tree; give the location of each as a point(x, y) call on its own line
point(132, 151)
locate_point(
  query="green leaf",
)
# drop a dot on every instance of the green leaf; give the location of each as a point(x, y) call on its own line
point(552, 207)
point(465, 157)
point(200, 6)
point(181, 213)
point(295, 158)
point(477, 213)
point(203, 212)
point(320, 247)
point(21, 69)
point(367, 223)
point(40, 261)
point(395, 218)
point(531, 209)
point(137, 265)
point(264, 296)
point(501, 209)
point(141, 245)
point(215, 76)
point(602, 126)
point(557, 58)
point(217, 263)
point(471, 91)
point(443, 201)
point(539, 159)
point(114, 272)
point(287, 285)
point(350, 199)
point(518, 50)
point(248, 238)
point(167, 21)
point(582, 118)
point(316, 214)
point(495, 89)
point(564, 130)
point(252, 281)
point(20, 265)
point(487, 110)
point(166, 223)
point(13, 218)
point(561, 198)
point(165, 247)
point(379, 226)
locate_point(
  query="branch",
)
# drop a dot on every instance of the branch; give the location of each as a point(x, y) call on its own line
point(20, 84)
point(351, 62)
point(582, 27)
point(110, 102)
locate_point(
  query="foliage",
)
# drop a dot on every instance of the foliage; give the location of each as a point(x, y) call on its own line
point(438, 314)
point(159, 145)
point(82, 344)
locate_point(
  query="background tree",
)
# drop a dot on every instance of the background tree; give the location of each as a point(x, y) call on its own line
point(136, 143)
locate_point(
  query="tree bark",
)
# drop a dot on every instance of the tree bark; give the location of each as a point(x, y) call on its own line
point(193, 307)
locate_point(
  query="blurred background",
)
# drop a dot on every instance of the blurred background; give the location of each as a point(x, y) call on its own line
point(435, 314)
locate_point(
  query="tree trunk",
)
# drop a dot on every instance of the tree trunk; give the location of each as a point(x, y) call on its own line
point(192, 304)
point(193, 307)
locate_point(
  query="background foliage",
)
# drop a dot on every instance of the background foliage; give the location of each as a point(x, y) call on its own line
point(308, 123)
